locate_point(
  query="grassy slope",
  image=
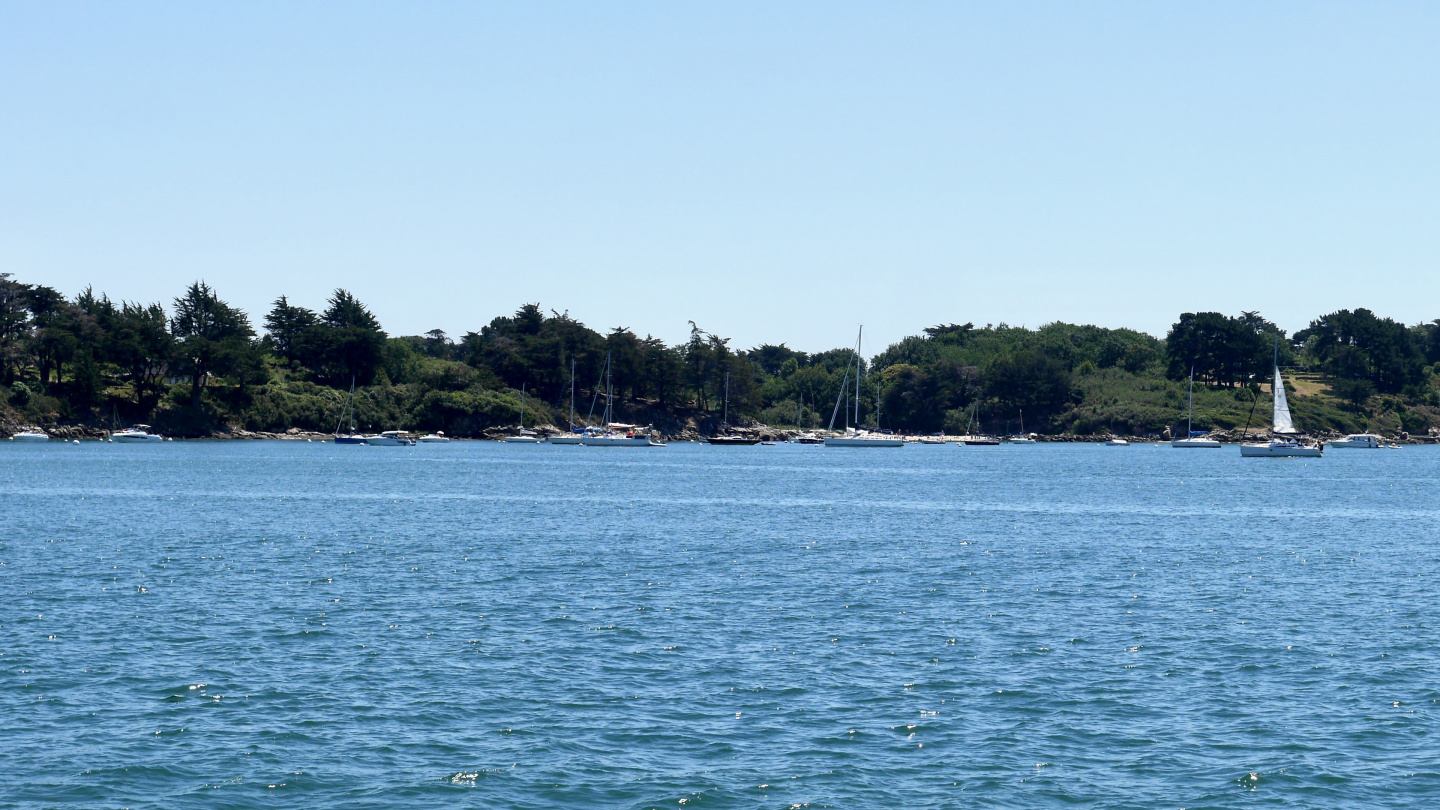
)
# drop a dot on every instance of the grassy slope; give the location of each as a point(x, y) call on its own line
point(1118, 401)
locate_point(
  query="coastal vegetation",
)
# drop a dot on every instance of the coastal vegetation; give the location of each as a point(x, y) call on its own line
point(202, 365)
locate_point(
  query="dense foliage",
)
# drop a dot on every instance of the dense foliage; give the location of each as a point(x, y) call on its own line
point(201, 366)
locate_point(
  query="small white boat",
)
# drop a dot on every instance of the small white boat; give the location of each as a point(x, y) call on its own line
point(1116, 441)
point(980, 440)
point(1284, 441)
point(933, 440)
point(391, 438)
point(1387, 447)
point(809, 437)
point(434, 438)
point(1357, 441)
point(31, 436)
point(139, 434)
point(1191, 440)
point(573, 438)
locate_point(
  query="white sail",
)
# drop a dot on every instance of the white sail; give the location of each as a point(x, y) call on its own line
point(1281, 421)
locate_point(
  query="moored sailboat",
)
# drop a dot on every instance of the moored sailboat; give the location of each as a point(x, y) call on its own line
point(349, 410)
point(1285, 440)
point(1190, 439)
point(858, 436)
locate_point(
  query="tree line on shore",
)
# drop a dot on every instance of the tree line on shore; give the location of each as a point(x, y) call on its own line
point(203, 365)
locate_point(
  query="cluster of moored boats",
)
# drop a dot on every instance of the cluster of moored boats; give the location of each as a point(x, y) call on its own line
point(1285, 440)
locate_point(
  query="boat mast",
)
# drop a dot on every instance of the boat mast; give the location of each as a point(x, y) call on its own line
point(350, 408)
point(857, 375)
point(840, 397)
point(522, 406)
point(1190, 407)
point(725, 420)
point(609, 394)
point(572, 392)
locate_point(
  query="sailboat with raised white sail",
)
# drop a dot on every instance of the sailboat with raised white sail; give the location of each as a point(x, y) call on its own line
point(1285, 441)
point(857, 436)
point(1190, 439)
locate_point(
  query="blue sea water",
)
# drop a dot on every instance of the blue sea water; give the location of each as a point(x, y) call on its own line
point(283, 624)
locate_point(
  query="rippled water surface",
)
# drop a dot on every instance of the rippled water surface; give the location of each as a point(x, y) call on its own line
point(227, 624)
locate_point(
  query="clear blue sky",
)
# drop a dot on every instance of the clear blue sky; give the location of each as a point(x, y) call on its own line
point(776, 172)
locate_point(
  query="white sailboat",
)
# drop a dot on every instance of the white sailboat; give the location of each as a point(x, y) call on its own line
point(349, 410)
point(974, 434)
point(857, 436)
point(525, 436)
point(1022, 437)
point(1285, 441)
point(36, 435)
point(574, 436)
point(615, 434)
point(1190, 440)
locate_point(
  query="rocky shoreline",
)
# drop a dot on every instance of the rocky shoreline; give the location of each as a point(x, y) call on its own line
point(689, 432)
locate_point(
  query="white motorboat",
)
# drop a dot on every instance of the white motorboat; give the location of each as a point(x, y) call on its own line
point(934, 440)
point(1116, 441)
point(1357, 441)
point(434, 438)
point(1285, 441)
point(1191, 440)
point(980, 440)
point(391, 438)
point(139, 434)
point(808, 437)
point(31, 436)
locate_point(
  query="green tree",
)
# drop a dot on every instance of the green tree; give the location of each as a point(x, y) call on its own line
point(213, 338)
point(140, 344)
point(287, 328)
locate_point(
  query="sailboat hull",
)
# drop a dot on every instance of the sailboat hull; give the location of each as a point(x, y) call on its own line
point(565, 440)
point(620, 441)
point(349, 439)
point(1279, 451)
point(850, 441)
point(1194, 443)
